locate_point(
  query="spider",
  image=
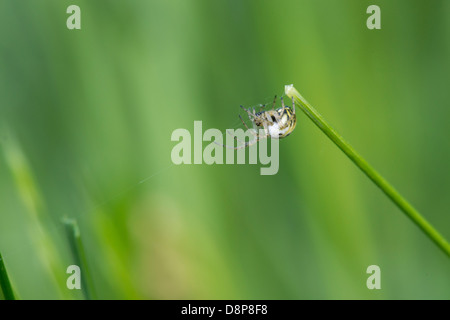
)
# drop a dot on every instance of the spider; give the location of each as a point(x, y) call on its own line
point(277, 123)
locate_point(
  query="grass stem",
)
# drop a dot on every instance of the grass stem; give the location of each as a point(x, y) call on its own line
point(5, 284)
point(76, 246)
point(361, 163)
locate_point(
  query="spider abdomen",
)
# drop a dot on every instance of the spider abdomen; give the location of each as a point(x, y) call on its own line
point(282, 127)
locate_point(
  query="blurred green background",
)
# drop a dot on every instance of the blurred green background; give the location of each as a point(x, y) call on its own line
point(86, 115)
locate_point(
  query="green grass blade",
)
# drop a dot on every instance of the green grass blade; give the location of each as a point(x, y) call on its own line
point(76, 246)
point(5, 284)
point(384, 185)
point(38, 214)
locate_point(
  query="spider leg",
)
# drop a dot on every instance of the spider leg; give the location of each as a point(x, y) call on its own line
point(229, 147)
point(243, 144)
point(293, 105)
point(253, 116)
point(282, 104)
point(277, 117)
point(251, 131)
point(235, 138)
point(262, 107)
point(251, 143)
point(253, 122)
point(274, 101)
point(232, 147)
point(249, 113)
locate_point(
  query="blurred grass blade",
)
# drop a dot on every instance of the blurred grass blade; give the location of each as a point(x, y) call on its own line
point(38, 214)
point(5, 284)
point(76, 246)
point(385, 186)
